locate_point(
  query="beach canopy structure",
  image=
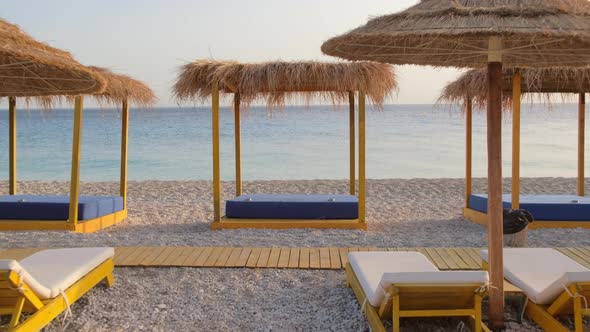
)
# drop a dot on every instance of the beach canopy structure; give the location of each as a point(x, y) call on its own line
point(478, 33)
point(394, 285)
point(46, 283)
point(549, 210)
point(40, 79)
point(275, 82)
point(554, 284)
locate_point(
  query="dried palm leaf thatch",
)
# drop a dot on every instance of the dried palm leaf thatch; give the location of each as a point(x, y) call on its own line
point(276, 81)
point(122, 87)
point(534, 81)
point(454, 33)
point(30, 68)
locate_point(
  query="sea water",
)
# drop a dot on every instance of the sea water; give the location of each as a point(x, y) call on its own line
point(297, 142)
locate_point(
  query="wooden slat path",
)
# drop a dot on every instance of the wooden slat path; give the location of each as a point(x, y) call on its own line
point(333, 258)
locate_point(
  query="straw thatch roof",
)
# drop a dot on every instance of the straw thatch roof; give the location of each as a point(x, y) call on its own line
point(540, 33)
point(473, 84)
point(275, 81)
point(31, 68)
point(121, 87)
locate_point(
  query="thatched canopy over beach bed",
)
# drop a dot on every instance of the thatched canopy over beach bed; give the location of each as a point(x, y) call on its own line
point(122, 87)
point(277, 81)
point(31, 68)
point(473, 84)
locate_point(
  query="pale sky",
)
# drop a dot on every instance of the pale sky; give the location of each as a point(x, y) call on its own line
point(150, 39)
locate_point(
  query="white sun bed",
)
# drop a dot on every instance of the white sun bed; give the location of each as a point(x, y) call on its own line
point(407, 284)
point(47, 282)
point(552, 282)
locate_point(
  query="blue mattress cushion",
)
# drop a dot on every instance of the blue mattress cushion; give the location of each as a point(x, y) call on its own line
point(53, 207)
point(542, 207)
point(293, 206)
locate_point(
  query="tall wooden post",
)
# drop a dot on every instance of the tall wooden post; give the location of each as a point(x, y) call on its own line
point(75, 176)
point(468, 148)
point(215, 140)
point(516, 79)
point(494, 140)
point(581, 142)
point(124, 151)
point(12, 146)
point(352, 138)
point(237, 134)
point(362, 187)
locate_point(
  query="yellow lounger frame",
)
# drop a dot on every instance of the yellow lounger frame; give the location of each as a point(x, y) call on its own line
point(14, 302)
point(222, 222)
point(482, 218)
point(72, 224)
point(421, 300)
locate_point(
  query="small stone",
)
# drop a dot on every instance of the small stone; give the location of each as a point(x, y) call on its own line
point(162, 306)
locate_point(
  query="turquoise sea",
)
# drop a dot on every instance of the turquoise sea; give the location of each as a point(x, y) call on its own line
point(298, 142)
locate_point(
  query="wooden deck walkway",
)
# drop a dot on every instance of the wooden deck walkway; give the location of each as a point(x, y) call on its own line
point(294, 258)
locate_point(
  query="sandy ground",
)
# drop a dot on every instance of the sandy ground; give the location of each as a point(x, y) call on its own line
point(400, 213)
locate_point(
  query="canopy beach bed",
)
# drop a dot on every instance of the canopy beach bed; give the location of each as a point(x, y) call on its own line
point(483, 33)
point(548, 210)
point(276, 81)
point(34, 70)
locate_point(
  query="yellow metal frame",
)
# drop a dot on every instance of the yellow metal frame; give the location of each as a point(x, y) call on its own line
point(72, 224)
point(222, 222)
point(419, 300)
point(14, 302)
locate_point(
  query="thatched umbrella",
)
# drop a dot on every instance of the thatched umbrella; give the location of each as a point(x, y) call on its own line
point(274, 82)
point(470, 33)
point(471, 88)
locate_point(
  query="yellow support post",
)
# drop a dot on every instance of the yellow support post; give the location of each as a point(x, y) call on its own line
point(12, 145)
point(352, 144)
point(237, 134)
point(75, 177)
point(581, 142)
point(215, 140)
point(362, 196)
point(516, 79)
point(468, 147)
point(124, 150)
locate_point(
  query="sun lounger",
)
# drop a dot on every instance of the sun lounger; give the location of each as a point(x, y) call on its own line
point(554, 284)
point(392, 285)
point(47, 282)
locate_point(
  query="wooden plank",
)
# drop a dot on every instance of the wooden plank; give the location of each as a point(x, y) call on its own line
point(447, 259)
point(573, 255)
point(210, 262)
point(343, 256)
point(471, 263)
point(263, 259)
point(19, 253)
point(474, 254)
point(167, 256)
point(335, 259)
point(151, 256)
point(201, 257)
point(284, 258)
point(233, 257)
point(461, 265)
point(325, 258)
point(582, 255)
point(133, 257)
point(314, 258)
point(223, 257)
point(273, 259)
point(244, 256)
point(435, 257)
point(179, 259)
point(122, 252)
point(253, 259)
point(192, 255)
point(294, 258)
point(304, 258)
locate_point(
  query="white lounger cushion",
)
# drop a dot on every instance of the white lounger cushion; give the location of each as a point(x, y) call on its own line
point(369, 268)
point(539, 272)
point(438, 277)
point(49, 271)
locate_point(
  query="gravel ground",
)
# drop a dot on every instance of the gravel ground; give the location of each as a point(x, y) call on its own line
point(401, 213)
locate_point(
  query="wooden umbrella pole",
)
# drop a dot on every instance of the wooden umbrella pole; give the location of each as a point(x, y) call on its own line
point(494, 140)
point(581, 141)
point(362, 187)
point(468, 147)
point(516, 79)
point(215, 140)
point(124, 150)
point(238, 144)
point(12, 145)
point(75, 176)
point(352, 147)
